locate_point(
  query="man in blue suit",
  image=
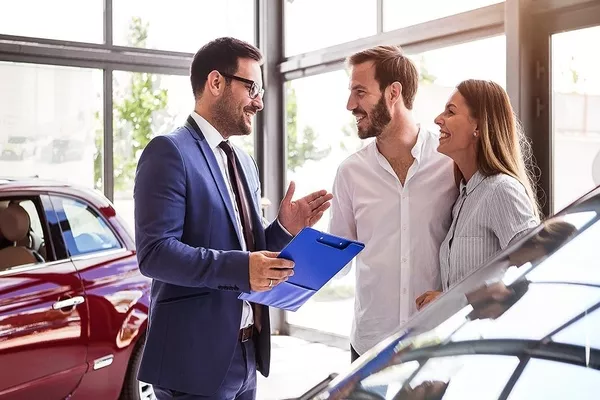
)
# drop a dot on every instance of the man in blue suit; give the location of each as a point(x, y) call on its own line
point(201, 239)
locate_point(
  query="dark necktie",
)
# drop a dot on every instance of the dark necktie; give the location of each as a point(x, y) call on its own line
point(238, 189)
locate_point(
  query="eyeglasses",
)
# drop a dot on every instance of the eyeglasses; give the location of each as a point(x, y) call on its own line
point(253, 90)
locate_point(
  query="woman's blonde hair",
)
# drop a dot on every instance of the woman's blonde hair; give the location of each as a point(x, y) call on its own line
point(502, 148)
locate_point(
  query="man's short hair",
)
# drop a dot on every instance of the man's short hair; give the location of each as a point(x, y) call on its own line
point(391, 65)
point(221, 54)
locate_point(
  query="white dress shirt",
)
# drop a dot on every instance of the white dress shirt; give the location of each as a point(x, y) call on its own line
point(402, 227)
point(214, 138)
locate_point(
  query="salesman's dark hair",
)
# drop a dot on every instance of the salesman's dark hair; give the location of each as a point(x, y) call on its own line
point(222, 55)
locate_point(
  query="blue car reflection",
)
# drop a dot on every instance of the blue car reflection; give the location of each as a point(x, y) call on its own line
point(524, 326)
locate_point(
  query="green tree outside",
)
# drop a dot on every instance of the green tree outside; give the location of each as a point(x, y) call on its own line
point(133, 118)
point(135, 113)
point(425, 77)
point(299, 148)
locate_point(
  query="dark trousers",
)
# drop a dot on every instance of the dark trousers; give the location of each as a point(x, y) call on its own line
point(353, 354)
point(239, 383)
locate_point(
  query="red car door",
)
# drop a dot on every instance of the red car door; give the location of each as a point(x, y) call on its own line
point(113, 287)
point(43, 315)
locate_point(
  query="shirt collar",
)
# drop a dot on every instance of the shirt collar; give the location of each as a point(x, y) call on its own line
point(212, 136)
point(475, 180)
point(417, 149)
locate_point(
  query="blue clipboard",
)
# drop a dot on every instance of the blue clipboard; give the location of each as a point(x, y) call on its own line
point(318, 257)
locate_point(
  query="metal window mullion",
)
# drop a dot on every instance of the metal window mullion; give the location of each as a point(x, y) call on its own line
point(108, 22)
point(379, 16)
point(271, 144)
point(108, 152)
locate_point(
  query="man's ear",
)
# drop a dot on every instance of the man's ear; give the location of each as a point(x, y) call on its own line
point(395, 92)
point(215, 83)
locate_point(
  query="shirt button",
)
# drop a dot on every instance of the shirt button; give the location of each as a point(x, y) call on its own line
point(403, 227)
point(403, 259)
point(404, 291)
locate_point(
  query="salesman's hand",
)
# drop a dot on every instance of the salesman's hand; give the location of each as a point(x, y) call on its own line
point(427, 298)
point(307, 211)
point(267, 271)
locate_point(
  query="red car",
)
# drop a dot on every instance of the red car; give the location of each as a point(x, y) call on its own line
point(73, 304)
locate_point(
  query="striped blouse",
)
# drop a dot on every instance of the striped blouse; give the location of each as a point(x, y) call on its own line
point(489, 212)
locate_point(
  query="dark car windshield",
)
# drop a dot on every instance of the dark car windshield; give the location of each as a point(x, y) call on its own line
point(537, 302)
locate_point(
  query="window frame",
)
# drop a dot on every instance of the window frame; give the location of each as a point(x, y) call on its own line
point(524, 350)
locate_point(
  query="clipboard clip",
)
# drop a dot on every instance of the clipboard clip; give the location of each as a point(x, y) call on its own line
point(334, 242)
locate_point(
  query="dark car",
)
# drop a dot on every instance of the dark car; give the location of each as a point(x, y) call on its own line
point(524, 326)
point(73, 304)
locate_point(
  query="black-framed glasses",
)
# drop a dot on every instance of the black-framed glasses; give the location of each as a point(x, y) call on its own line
point(253, 90)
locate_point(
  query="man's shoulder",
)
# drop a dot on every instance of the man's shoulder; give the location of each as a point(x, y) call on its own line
point(175, 142)
point(357, 160)
point(178, 138)
point(179, 135)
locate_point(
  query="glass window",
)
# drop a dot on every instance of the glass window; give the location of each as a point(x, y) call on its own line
point(321, 133)
point(144, 105)
point(570, 382)
point(308, 23)
point(391, 378)
point(185, 25)
point(442, 69)
point(53, 19)
point(582, 332)
point(51, 123)
point(441, 377)
point(551, 305)
point(84, 230)
point(576, 121)
point(551, 276)
point(400, 14)
point(468, 374)
point(499, 301)
point(581, 257)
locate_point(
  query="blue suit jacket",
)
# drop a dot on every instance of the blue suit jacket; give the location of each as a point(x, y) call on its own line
point(188, 243)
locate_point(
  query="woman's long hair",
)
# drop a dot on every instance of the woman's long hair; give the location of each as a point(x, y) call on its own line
point(502, 148)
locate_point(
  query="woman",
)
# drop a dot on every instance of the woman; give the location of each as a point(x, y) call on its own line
point(496, 204)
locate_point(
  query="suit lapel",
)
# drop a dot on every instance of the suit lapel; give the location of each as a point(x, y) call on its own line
point(213, 166)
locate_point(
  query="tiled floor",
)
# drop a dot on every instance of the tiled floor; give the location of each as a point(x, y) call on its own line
point(297, 365)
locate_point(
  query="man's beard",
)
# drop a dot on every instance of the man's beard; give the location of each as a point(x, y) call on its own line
point(229, 121)
point(378, 119)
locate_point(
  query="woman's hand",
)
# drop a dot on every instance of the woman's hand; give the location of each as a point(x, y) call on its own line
point(426, 298)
